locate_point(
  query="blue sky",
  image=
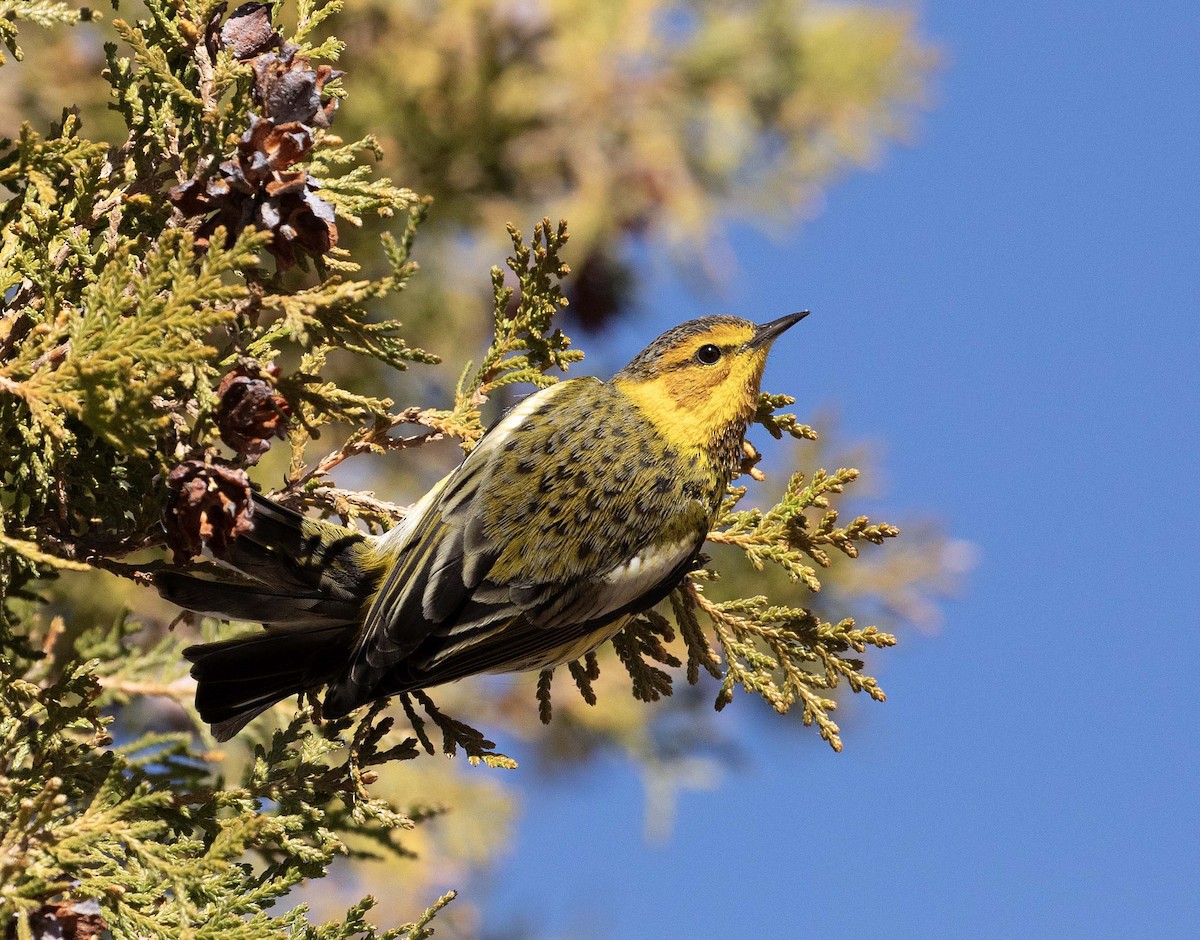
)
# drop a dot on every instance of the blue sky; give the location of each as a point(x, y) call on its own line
point(1019, 290)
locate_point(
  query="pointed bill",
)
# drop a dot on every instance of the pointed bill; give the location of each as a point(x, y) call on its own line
point(766, 333)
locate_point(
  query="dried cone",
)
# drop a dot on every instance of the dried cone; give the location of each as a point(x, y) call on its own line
point(248, 32)
point(207, 504)
point(258, 187)
point(250, 412)
point(68, 920)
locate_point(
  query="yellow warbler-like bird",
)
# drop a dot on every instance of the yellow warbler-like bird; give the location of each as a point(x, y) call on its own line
point(586, 504)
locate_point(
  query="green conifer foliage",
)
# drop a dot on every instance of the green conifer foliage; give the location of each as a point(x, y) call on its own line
point(171, 303)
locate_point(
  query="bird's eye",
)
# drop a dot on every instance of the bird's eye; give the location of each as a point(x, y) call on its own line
point(708, 354)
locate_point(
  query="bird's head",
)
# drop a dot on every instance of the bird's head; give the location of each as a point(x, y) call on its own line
point(701, 378)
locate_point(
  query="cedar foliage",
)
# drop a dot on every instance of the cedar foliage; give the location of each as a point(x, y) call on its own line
point(171, 303)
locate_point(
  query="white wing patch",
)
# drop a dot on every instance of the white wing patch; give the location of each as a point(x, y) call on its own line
point(653, 564)
point(637, 576)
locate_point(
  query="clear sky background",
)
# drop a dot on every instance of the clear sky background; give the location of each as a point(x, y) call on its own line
point(1019, 291)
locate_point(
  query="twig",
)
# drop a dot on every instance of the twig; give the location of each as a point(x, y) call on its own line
point(325, 495)
point(372, 439)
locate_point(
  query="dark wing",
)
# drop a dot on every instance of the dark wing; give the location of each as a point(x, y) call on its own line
point(558, 522)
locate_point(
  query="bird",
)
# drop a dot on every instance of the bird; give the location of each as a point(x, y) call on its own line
point(586, 504)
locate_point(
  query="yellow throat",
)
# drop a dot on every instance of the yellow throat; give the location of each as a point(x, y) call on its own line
point(698, 384)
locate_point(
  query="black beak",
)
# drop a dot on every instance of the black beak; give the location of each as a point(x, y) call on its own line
point(766, 333)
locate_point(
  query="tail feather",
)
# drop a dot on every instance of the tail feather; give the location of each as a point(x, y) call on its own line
point(312, 578)
point(251, 601)
point(306, 554)
point(239, 679)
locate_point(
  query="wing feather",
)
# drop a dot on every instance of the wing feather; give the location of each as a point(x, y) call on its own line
point(489, 578)
point(429, 575)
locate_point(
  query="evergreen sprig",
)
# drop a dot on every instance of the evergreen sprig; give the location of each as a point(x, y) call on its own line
point(122, 312)
point(138, 290)
point(43, 13)
point(783, 653)
point(777, 425)
point(786, 655)
point(526, 345)
point(142, 829)
point(140, 329)
point(126, 314)
point(455, 734)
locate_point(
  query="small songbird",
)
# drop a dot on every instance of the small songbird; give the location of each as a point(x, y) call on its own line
point(586, 504)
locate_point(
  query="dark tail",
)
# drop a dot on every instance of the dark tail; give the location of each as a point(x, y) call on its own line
point(310, 580)
point(239, 679)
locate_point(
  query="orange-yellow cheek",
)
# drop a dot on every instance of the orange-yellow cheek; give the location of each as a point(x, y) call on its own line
point(692, 408)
